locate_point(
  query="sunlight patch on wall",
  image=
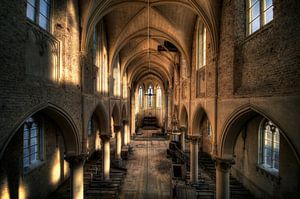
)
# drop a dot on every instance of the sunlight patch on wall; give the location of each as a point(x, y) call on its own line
point(22, 190)
point(56, 168)
point(4, 190)
point(66, 169)
point(97, 141)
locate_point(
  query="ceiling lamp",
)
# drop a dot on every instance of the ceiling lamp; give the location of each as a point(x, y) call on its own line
point(149, 91)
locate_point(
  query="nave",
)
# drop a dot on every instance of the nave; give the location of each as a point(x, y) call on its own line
point(87, 86)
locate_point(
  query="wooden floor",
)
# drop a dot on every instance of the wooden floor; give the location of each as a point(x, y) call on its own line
point(148, 175)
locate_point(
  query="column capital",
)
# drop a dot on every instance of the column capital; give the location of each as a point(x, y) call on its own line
point(117, 128)
point(106, 136)
point(125, 121)
point(76, 159)
point(193, 138)
point(183, 128)
point(224, 164)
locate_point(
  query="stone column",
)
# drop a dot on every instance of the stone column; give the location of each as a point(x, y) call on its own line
point(76, 175)
point(117, 130)
point(222, 178)
point(123, 133)
point(105, 156)
point(126, 132)
point(194, 158)
point(182, 138)
point(166, 111)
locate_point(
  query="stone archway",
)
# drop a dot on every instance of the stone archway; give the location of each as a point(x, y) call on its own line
point(201, 126)
point(116, 132)
point(96, 126)
point(183, 119)
point(45, 136)
point(125, 127)
point(241, 141)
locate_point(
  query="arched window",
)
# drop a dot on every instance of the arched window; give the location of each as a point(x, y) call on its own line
point(96, 59)
point(32, 134)
point(150, 94)
point(38, 11)
point(259, 13)
point(141, 96)
point(90, 127)
point(125, 93)
point(158, 97)
point(201, 46)
point(116, 77)
point(269, 146)
point(201, 60)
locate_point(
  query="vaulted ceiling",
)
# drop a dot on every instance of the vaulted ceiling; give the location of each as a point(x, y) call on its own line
point(128, 22)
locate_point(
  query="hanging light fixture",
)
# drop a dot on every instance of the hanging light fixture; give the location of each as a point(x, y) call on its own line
point(151, 93)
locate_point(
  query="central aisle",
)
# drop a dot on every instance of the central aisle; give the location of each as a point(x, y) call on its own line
point(148, 175)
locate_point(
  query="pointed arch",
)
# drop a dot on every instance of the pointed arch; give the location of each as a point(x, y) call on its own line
point(183, 119)
point(234, 124)
point(124, 112)
point(101, 117)
point(199, 115)
point(69, 129)
point(116, 115)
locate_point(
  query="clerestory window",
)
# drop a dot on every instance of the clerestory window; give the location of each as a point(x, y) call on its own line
point(38, 11)
point(158, 97)
point(141, 96)
point(259, 13)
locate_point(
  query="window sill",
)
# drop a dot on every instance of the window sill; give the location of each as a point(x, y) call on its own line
point(269, 173)
point(33, 167)
point(40, 29)
point(259, 31)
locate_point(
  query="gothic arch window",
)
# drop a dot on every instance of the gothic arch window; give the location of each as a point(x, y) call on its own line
point(96, 60)
point(259, 13)
point(125, 93)
point(269, 144)
point(90, 127)
point(38, 11)
point(158, 97)
point(32, 142)
point(141, 96)
point(201, 60)
point(150, 96)
point(201, 46)
point(116, 77)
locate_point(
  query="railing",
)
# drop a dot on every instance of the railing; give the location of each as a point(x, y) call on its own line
point(178, 154)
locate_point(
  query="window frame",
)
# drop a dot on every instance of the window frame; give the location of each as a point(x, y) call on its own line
point(261, 155)
point(150, 91)
point(141, 92)
point(90, 127)
point(158, 97)
point(261, 16)
point(40, 143)
point(37, 13)
point(201, 46)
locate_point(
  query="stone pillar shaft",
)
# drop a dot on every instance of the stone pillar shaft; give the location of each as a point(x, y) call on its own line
point(105, 157)
point(182, 138)
point(128, 133)
point(76, 175)
point(194, 159)
point(222, 178)
point(117, 130)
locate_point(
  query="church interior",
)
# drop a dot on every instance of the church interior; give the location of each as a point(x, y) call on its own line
point(149, 99)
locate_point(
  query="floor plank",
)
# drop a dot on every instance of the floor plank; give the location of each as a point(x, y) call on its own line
point(148, 175)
